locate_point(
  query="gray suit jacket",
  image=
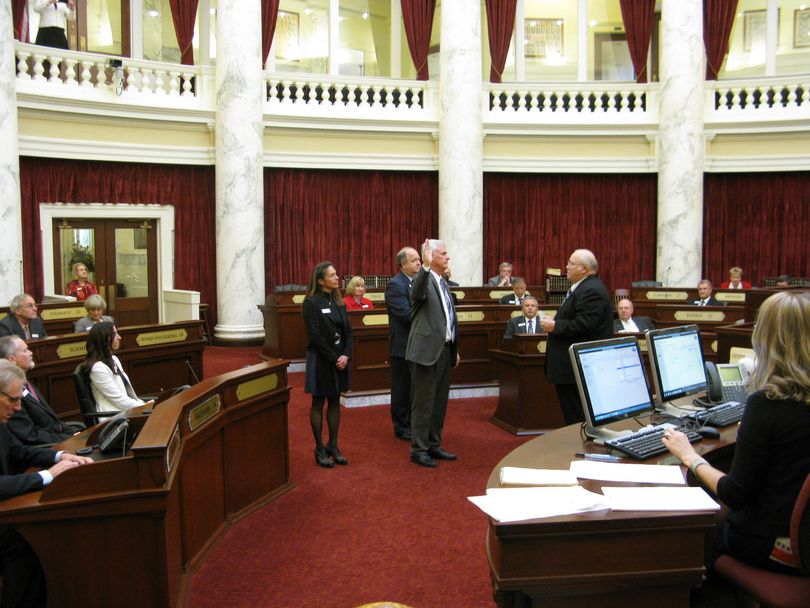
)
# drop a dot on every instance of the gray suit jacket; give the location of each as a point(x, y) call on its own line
point(86, 323)
point(428, 327)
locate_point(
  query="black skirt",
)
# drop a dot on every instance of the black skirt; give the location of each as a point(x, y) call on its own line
point(53, 37)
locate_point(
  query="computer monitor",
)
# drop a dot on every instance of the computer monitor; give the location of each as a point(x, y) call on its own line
point(612, 384)
point(676, 363)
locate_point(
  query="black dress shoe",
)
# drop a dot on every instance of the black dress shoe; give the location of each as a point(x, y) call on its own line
point(404, 435)
point(336, 455)
point(323, 458)
point(440, 454)
point(423, 460)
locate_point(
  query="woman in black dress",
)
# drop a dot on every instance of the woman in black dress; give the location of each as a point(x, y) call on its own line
point(329, 347)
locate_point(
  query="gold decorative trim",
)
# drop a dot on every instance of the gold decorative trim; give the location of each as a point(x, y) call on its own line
point(378, 296)
point(700, 315)
point(71, 350)
point(642, 345)
point(517, 313)
point(375, 320)
point(165, 336)
point(714, 346)
point(659, 296)
point(469, 316)
point(202, 413)
point(55, 314)
point(257, 386)
point(172, 450)
point(727, 296)
point(459, 294)
point(541, 347)
point(497, 294)
point(298, 299)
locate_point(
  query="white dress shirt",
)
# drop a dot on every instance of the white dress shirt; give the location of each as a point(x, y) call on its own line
point(53, 15)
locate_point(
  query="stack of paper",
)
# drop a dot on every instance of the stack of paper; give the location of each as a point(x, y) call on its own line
point(520, 504)
point(516, 476)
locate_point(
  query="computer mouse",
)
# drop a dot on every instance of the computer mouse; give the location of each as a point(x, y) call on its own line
point(709, 432)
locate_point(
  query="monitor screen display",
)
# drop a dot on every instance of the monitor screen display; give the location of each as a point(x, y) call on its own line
point(611, 380)
point(676, 362)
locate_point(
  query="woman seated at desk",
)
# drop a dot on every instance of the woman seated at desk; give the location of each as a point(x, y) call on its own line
point(95, 307)
point(772, 455)
point(111, 387)
point(354, 299)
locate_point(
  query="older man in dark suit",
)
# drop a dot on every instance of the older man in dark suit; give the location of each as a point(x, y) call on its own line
point(398, 303)
point(432, 351)
point(23, 579)
point(585, 314)
point(627, 321)
point(23, 320)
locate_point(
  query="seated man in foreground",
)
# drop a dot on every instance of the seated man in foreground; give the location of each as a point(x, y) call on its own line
point(528, 323)
point(23, 578)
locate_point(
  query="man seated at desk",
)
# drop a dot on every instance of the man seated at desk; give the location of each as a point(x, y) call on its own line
point(36, 422)
point(518, 293)
point(23, 578)
point(528, 323)
point(23, 320)
point(705, 297)
point(627, 323)
point(504, 277)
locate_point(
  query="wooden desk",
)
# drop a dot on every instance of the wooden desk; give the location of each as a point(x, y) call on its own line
point(600, 559)
point(58, 317)
point(155, 357)
point(130, 531)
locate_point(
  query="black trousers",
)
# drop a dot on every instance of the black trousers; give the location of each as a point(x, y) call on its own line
point(400, 394)
point(430, 388)
point(23, 578)
point(570, 403)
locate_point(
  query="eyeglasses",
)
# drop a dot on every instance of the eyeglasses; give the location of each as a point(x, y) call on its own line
point(10, 398)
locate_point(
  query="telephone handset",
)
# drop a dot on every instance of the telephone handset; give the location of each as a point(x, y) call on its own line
point(725, 383)
point(114, 435)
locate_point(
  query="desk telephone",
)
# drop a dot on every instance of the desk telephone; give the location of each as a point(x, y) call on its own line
point(726, 382)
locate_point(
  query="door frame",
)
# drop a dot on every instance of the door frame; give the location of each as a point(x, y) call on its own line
point(162, 215)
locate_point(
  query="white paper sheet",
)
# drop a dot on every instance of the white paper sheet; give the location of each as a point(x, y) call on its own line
point(665, 498)
point(637, 473)
point(520, 504)
point(517, 476)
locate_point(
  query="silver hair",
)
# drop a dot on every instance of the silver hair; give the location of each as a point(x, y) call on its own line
point(531, 298)
point(587, 259)
point(95, 302)
point(8, 346)
point(434, 244)
point(17, 301)
point(9, 373)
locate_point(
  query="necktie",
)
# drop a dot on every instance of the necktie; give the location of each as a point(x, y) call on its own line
point(531, 326)
point(33, 391)
point(451, 318)
point(703, 302)
point(567, 295)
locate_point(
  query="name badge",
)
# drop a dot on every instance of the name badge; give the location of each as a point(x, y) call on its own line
point(365, 305)
point(34, 336)
point(521, 325)
point(326, 311)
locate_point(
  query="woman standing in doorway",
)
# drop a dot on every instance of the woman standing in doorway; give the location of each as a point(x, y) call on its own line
point(329, 348)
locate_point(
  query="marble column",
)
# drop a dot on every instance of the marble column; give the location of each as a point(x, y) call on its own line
point(239, 187)
point(461, 207)
point(10, 214)
point(680, 145)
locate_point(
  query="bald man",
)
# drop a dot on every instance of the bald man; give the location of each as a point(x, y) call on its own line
point(627, 322)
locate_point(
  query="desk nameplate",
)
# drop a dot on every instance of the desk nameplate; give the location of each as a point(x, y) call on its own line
point(727, 296)
point(202, 413)
point(373, 320)
point(712, 316)
point(257, 386)
point(71, 350)
point(54, 314)
point(541, 346)
point(470, 316)
point(376, 296)
point(459, 294)
point(298, 299)
point(166, 336)
point(667, 295)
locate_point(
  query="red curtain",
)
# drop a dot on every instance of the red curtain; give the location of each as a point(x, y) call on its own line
point(269, 16)
point(500, 25)
point(718, 19)
point(417, 17)
point(189, 189)
point(535, 221)
point(638, 17)
point(757, 221)
point(184, 14)
point(356, 219)
point(18, 18)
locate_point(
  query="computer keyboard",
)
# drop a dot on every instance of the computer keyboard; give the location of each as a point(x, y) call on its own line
point(720, 415)
point(647, 442)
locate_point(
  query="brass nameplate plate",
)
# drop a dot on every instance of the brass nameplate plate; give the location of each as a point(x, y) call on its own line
point(375, 320)
point(499, 293)
point(470, 316)
point(459, 294)
point(667, 295)
point(700, 315)
point(541, 347)
point(727, 296)
point(166, 336)
point(378, 296)
point(69, 350)
point(738, 352)
point(257, 386)
point(642, 345)
point(202, 413)
point(714, 346)
point(54, 314)
point(299, 299)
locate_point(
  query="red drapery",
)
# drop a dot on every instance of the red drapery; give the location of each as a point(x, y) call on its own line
point(184, 14)
point(500, 25)
point(269, 16)
point(356, 219)
point(417, 17)
point(189, 189)
point(18, 18)
point(718, 19)
point(535, 221)
point(638, 17)
point(757, 221)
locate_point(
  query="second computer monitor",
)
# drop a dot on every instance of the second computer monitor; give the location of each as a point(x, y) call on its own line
point(676, 363)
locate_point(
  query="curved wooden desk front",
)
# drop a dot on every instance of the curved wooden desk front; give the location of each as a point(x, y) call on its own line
point(603, 558)
point(128, 530)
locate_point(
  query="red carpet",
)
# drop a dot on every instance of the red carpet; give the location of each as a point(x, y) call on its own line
point(378, 529)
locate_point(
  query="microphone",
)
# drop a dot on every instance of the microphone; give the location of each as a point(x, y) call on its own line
point(193, 375)
point(666, 279)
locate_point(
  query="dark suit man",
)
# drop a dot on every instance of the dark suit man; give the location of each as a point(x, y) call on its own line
point(36, 422)
point(527, 323)
point(705, 297)
point(586, 314)
point(23, 579)
point(432, 351)
point(23, 320)
point(629, 323)
point(398, 302)
point(519, 292)
point(504, 278)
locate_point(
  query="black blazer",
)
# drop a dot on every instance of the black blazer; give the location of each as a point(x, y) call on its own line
point(321, 330)
point(587, 314)
point(10, 326)
point(398, 303)
point(511, 298)
point(643, 324)
point(37, 423)
point(16, 457)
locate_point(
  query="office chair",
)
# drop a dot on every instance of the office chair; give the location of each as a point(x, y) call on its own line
point(773, 589)
point(87, 404)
